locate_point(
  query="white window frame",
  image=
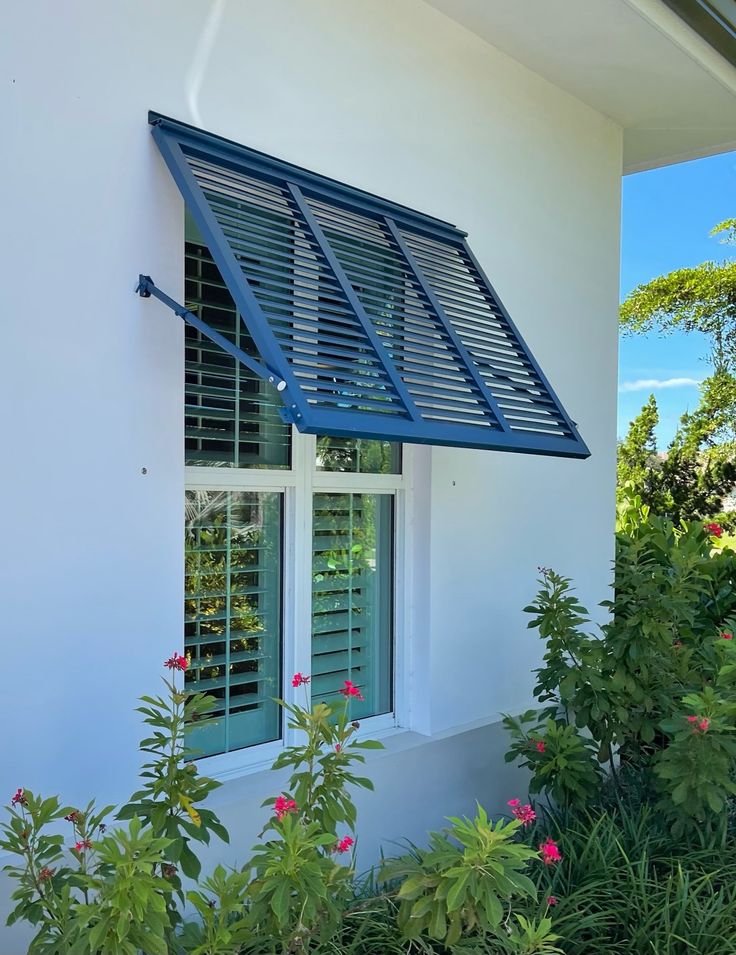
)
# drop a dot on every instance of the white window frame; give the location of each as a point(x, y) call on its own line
point(298, 485)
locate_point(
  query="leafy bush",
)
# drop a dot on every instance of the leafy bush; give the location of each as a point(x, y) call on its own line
point(463, 881)
point(653, 688)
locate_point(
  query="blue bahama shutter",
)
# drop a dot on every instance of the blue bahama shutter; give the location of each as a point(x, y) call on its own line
point(374, 320)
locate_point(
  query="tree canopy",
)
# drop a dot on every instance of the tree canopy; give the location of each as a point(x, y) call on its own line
point(701, 298)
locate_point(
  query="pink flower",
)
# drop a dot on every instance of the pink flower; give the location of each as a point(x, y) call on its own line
point(552, 900)
point(338, 748)
point(82, 845)
point(727, 636)
point(45, 874)
point(299, 680)
point(540, 746)
point(283, 806)
point(514, 803)
point(525, 814)
point(343, 845)
point(350, 689)
point(176, 662)
point(699, 724)
point(550, 852)
point(715, 529)
point(18, 797)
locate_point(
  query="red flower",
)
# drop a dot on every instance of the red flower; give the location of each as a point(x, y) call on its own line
point(82, 845)
point(699, 724)
point(19, 798)
point(525, 814)
point(715, 529)
point(552, 900)
point(176, 662)
point(299, 680)
point(45, 874)
point(343, 845)
point(727, 636)
point(514, 803)
point(283, 806)
point(550, 852)
point(540, 746)
point(338, 748)
point(350, 689)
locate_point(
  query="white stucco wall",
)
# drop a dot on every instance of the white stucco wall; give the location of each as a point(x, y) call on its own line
point(389, 96)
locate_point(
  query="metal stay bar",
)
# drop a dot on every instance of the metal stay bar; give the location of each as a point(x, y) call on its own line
point(146, 288)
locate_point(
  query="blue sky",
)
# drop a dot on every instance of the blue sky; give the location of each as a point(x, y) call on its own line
point(667, 215)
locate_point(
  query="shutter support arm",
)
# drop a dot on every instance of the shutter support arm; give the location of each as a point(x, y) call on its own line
point(146, 288)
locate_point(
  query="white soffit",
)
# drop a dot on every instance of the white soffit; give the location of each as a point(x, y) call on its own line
point(635, 61)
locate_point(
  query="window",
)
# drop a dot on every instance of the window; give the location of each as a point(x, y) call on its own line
point(270, 514)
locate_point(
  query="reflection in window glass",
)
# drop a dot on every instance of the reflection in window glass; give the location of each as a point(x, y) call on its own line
point(231, 416)
point(233, 614)
point(352, 609)
point(358, 456)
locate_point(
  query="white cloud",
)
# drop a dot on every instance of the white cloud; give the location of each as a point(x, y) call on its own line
point(655, 384)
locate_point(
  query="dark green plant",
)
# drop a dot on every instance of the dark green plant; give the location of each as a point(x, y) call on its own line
point(627, 886)
point(562, 761)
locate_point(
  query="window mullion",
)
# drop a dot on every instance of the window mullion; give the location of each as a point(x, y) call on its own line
point(298, 557)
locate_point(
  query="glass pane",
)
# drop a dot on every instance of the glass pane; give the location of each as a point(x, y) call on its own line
point(233, 614)
point(232, 417)
point(352, 599)
point(358, 456)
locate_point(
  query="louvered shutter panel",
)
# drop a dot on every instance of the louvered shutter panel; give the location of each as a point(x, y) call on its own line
point(232, 614)
point(378, 319)
point(352, 599)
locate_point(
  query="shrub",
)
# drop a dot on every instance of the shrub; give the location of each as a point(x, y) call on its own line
point(654, 686)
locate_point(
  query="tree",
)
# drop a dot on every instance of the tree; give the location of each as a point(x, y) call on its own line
point(698, 470)
point(637, 453)
point(702, 298)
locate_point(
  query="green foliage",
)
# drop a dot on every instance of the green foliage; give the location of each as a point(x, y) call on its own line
point(641, 687)
point(108, 898)
point(169, 800)
point(691, 480)
point(323, 764)
point(464, 882)
point(127, 911)
point(701, 298)
point(725, 229)
point(627, 887)
point(637, 462)
point(221, 928)
point(298, 891)
point(562, 761)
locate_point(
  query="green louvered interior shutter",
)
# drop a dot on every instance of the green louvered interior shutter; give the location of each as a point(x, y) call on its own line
point(233, 614)
point(352, 611)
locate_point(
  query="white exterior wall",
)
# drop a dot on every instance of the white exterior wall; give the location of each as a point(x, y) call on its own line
point(391, 97)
